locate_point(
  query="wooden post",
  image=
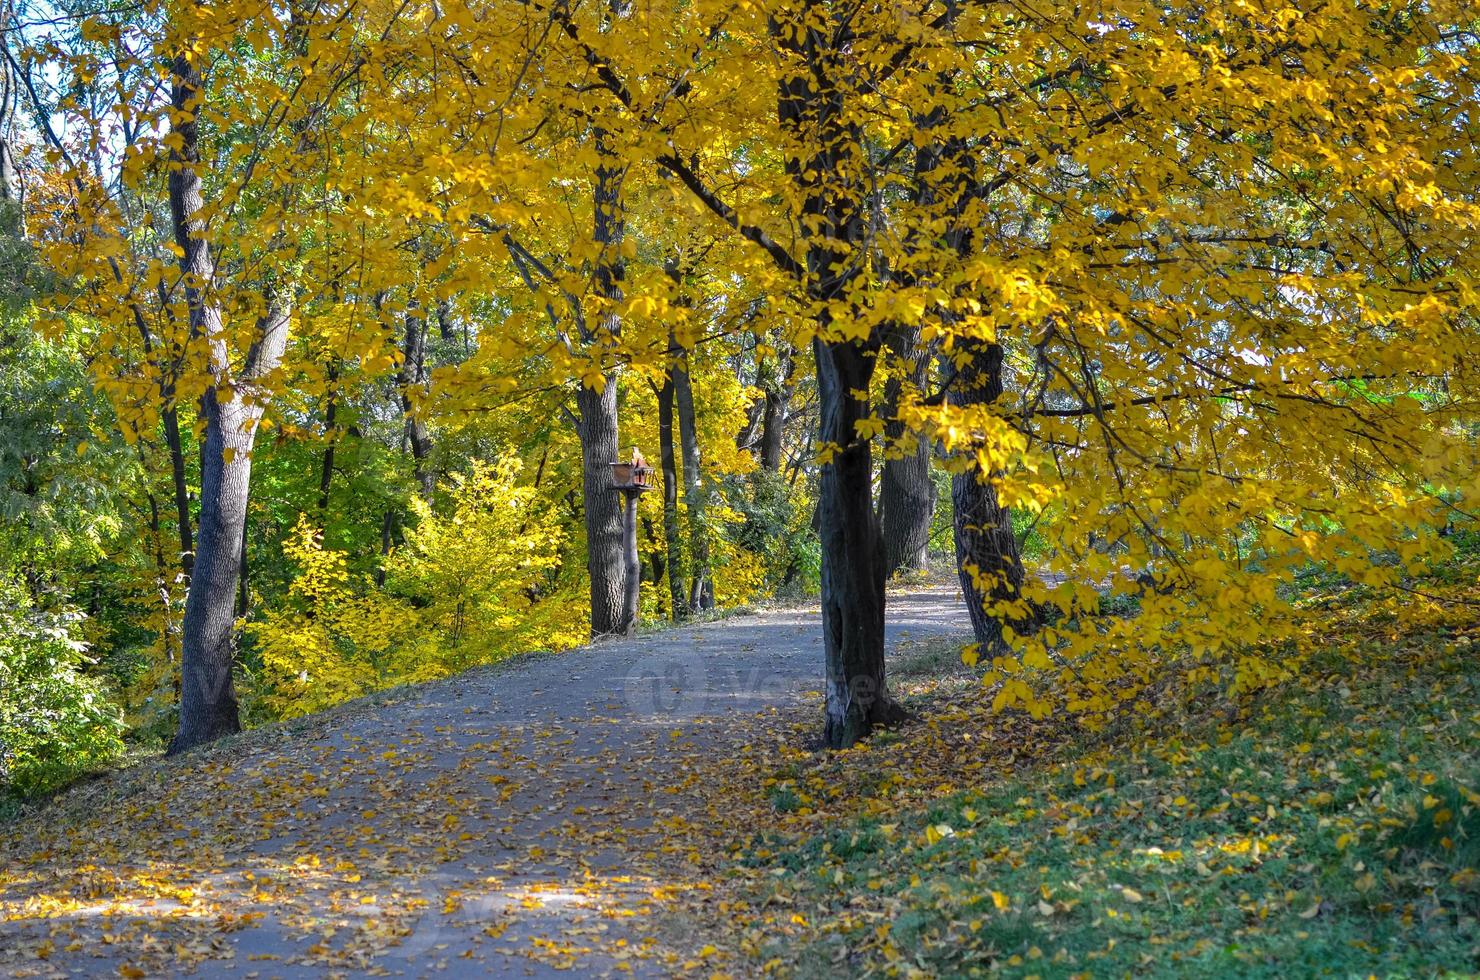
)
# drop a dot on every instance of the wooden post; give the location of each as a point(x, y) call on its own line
point(631, 480)
point(633, 566)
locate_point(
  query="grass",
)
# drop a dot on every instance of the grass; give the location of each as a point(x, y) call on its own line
point(1330, 828)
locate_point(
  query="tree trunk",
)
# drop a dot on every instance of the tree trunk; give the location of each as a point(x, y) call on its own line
point(778, 389)
point(232, 408)
point(631, 563)
point(990, 566)
point(906, 491)
point(232, 411)
point(182, 489)
point(412, 376)
point(603, 505)
point(672, 533)
point(244, 577)
point(331, 439)
point(857, 694)
point(598, 409)
point(701, 588)
point(813, 109)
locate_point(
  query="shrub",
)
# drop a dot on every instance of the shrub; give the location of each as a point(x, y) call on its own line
point(56, 722)
point(464, 590)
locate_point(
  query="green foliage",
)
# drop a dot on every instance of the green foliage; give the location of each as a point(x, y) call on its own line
point(56, 721)
point(778, 527)
point(63, 470)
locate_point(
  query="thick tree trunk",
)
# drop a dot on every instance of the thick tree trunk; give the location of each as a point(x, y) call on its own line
point(857, 694)
point(672, 533)
point(990, 566)
point(906, 491)
point(603, 505)
point(906, 509)
point(701, 588)
point(597, 428)
point(232, 412)
point(812, 107)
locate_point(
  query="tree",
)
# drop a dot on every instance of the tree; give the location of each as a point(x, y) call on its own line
point(906, 491)
point(231, 405)
point(225, 309)
point(1197, 281)
point(1174, 225)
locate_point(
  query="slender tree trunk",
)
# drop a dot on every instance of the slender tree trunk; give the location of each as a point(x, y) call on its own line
point(701, 588)
point(331, 438)
point(10, 184)
point(231, 407)
point(991, 568)
point(631, 563)
point(778, 389)
point(182, 489)
point(672, 533)
point(906, 491)
point(164, 575)
point(387, 540)
point(413, 376)
point(244, 578)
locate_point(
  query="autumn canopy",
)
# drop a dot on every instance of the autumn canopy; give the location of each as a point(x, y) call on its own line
point(1179, 297)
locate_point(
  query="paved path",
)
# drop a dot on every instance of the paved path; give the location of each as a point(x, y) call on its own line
point(515, 821)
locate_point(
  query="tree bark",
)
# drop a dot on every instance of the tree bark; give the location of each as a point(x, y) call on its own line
point(412, 376)
point(232, 410)
point(906, 491)
point(182, 490)
point(598, 409)
point(672, 533)
point(701, 587)
point(331, 438)
point(244, 576)
point(631, 562)
point(603, 505)
point(857, 693)
point(990, 565)
point(778, 389)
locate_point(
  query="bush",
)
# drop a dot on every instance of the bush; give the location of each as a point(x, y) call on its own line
point(56, 723)
point(464, 590)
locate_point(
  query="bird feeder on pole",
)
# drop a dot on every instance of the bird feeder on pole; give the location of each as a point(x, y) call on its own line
point(631, 480)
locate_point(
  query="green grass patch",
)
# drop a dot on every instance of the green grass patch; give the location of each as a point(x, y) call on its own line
point(1331, 828)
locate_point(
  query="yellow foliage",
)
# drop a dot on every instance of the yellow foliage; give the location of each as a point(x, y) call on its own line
point(465, 590)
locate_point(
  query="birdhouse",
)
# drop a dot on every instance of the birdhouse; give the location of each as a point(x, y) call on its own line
point(634, 475)
point(642, 473)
